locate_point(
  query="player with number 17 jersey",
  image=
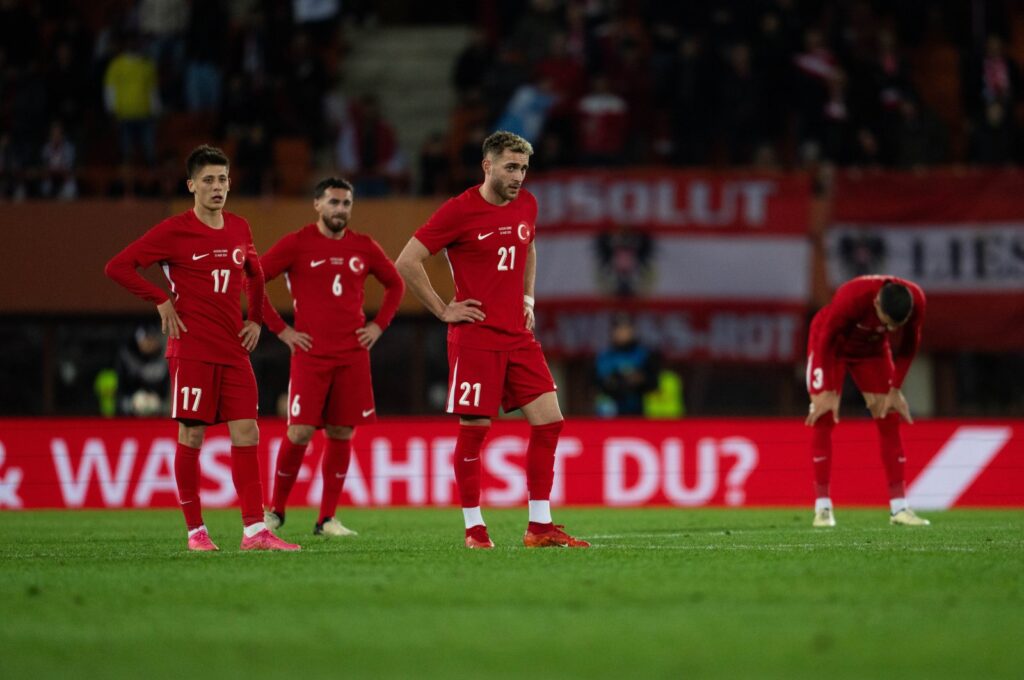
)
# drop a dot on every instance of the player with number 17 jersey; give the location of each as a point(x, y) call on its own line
point(205, 269)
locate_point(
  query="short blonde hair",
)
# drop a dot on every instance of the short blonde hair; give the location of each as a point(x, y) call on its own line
point(501, 140)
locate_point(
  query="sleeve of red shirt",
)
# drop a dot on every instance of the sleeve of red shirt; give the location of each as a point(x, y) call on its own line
point(275, 261)
point(441, 229)
point(148, 249)
point(255, 288)
point(836, 316)
point(384, 270)
point(903, 354)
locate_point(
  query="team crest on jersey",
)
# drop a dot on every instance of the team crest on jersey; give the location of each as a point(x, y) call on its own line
point(238, 256)
point(356, 264)
point(523, 232)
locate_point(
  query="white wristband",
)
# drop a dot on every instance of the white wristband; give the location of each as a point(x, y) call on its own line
point(528, 301)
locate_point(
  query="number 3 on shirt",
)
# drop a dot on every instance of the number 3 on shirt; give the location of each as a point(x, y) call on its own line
point(506, 258)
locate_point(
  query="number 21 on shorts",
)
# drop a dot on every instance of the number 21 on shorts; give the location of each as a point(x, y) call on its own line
point(469, 391)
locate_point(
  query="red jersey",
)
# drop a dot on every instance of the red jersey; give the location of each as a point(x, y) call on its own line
point(849, 327)
point(204, 267)
point(326, 278)
point(486, 247)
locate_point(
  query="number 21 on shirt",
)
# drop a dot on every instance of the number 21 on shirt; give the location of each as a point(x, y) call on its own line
point(506, 258)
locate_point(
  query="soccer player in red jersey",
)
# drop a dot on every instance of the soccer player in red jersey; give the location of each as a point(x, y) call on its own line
point(493, 358)
point(205, 252)
point(871, 328)
point(326, 265)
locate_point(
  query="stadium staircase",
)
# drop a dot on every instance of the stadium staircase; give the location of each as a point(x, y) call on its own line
point(409, 68)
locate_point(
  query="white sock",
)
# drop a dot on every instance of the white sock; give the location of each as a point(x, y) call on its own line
point(897, 504)
point(824, 503)
point(473, 517)
point(195, 531)
point(540, 512)
point(254, 529)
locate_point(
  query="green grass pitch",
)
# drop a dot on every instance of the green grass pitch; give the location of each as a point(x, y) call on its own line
point(664, 593)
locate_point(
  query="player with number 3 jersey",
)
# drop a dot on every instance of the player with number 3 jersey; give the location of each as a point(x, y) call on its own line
point(871, 329)
point(325, 265)
point(487, 233)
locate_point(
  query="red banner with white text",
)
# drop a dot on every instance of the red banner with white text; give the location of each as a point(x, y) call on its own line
point(715, 264)
point(87, 463)
point(959, 235)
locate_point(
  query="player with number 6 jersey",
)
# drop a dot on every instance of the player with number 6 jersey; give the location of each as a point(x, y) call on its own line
point(205, 253)
point(871, 329)
point(325, 265)
point(494, 360)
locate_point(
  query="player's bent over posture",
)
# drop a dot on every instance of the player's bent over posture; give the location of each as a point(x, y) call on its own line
point(326, 265)
point(205, 253)
point(871, 328)
point(493, 358)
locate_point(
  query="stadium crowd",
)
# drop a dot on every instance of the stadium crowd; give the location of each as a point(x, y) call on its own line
point(90, 89)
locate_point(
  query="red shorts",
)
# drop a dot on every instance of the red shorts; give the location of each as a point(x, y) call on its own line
point(871, 374)
point(212, 393)
point(325, 391)
point(480, 380)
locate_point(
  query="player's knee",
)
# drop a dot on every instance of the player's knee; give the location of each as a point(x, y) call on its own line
point(191, 436)
point(339, 431)
point(300, 434)
point(244, 433)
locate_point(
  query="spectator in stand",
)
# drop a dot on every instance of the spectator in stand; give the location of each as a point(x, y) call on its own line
point(564, 71)
point(630, 78)
point(472, 64)
point(58, 166)
point(318, 18)
point(992, 78)
point(527, 111)
point(255, 159)
point(993, 138)
point(920, 137)
point(367, 149)
point(162, 24)
point(131, 95)
point(815, 87)
point(602, 118)
point(625, 372)
point(535, 26)
point(739, 103)
point(435, 167)
point(510, 70)
point(303, 94)
point(28, 119)
point(206, 55)
point(690, 113)
point(67, 87)
point(12, 175)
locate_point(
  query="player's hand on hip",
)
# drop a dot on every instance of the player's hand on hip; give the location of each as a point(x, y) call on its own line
point(528, 316)
point(463, 310)
point(250, 335)
point(822, 403)
point(368, 335)
point(170, 323)
point(296, 339)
